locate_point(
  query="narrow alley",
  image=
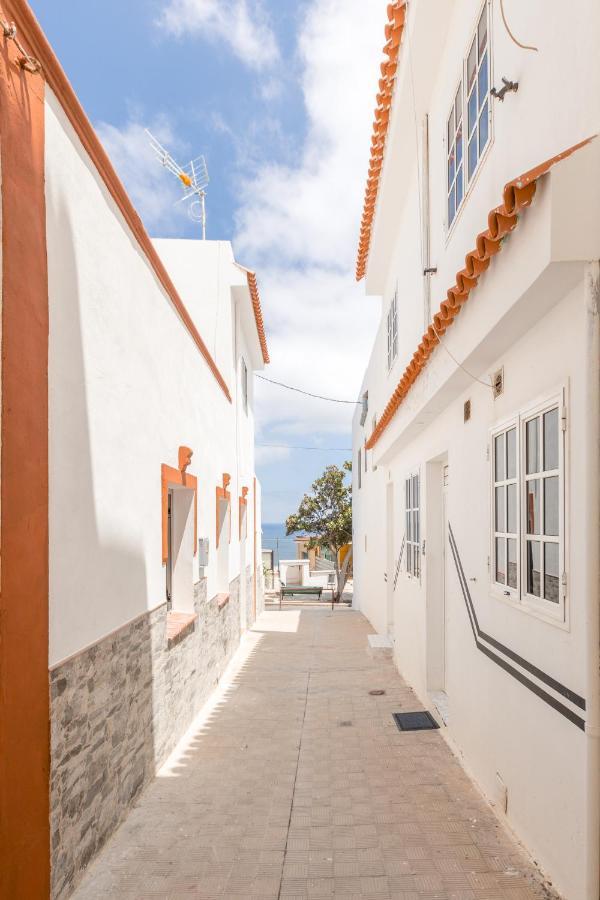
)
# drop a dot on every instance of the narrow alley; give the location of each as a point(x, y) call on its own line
point(297, 784)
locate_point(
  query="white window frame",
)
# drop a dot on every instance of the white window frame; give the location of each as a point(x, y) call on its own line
point(413, 562)
point(392, 331)
point(556, 613)
point(502, 484)
point(451, 151)
point(469, 179)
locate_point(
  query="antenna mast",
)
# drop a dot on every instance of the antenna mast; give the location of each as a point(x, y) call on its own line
point(193, 178)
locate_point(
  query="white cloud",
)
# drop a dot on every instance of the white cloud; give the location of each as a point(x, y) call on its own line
point(242, 24)
point(298, 225)
point(154, 191)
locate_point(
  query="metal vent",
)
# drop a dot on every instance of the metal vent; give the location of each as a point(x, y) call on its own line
point(498, 383)
point(467, 410)
point(415, 721)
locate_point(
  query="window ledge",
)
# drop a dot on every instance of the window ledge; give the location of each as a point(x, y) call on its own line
point(222, 600)
point(179, 625)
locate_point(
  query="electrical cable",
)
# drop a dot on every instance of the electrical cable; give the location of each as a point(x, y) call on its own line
point(511, 35)
point(290, 447)
point(306, 393)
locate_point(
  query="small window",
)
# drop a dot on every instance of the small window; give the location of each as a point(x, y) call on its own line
point(528, 556)
point(364, 407)
point(455, 170)
point(506, 510)
point(244, 376)
point(468, 124)
point(413, 526)
point(477, 94)
point(359, 468)
point(392, 331)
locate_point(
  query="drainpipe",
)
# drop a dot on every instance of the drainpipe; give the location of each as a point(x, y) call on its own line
point(592, 729)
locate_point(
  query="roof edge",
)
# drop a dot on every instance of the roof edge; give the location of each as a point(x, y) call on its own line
point(257, 310)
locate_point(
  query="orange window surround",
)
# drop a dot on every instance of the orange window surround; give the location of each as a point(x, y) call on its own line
point(180, 476)
point(223, 494)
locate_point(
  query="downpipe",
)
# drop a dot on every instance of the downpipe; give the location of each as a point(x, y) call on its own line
point(592, 729)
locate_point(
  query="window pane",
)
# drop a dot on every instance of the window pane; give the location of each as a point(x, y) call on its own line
point(472, 110)
point(512, 563)
point(417, 562)
point(418, 526)
point(482, 81)
point(451, 129)
point(511, 508)
point(500, 509)
point(551, 440)
point(551, 505)
point(532, 441)
point(406, 491)
point(459, 187)
point(482, 31)
point(472, 155)
point(499, 457)
point(471, 65)
point(511, 453)
point(532, 494)
point(458, 104)
point(533, 568)
point(483, 128)
point(459, 146)
point(415, 491)
point(551, 575)
point(451, 206)
point(451, 167)
point(500, 560)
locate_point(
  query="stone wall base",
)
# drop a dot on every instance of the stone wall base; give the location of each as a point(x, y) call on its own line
point(118, 708)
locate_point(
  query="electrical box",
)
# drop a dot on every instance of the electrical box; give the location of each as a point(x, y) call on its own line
point(202, 552)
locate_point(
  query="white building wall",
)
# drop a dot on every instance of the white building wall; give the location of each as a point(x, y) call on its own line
point(527, 314)
point(128, 386)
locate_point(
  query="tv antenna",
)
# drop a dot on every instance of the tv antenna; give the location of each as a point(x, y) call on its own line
point(193, 178)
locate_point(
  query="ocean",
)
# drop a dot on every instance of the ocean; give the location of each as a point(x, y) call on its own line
point(274, 538)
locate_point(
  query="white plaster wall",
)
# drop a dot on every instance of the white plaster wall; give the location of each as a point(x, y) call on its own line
point(528, 315)
point(127, 387)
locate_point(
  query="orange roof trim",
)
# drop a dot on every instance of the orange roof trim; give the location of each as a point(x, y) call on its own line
point(260, 325)
point(393, 35)
point(518, 194)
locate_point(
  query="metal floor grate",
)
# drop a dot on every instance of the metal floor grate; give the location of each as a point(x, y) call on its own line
point(414, 721)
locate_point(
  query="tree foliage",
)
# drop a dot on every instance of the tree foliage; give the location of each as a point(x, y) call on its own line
point(325, 515)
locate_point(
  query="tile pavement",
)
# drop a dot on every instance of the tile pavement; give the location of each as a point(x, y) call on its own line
point(300, 787)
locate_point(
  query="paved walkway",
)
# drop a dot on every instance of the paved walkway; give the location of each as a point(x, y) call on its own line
point(299, 786)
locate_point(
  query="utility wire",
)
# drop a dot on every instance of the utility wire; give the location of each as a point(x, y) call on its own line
point(510, 34)
point(307, 393)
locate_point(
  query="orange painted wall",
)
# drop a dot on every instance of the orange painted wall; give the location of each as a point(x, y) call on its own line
point(24, 700)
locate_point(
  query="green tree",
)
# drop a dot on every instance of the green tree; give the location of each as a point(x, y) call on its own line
point(325, 515)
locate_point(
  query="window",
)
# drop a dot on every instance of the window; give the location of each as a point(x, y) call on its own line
point(392, 331)
point(244, 374)
point(542, 552)
point(506, 517)
point(469, 119)
point(528, 527)
point(455, 156)
point(478, 89)
point(413, 526)
point(359, 468)
point(364, 407)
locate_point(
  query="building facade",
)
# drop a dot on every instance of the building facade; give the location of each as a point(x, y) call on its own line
point(477, 445)
point(131, 538)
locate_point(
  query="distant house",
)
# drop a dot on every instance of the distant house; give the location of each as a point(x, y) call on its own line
point(476, 446)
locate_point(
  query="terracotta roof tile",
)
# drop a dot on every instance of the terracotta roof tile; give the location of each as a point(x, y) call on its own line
point(393, 35)
point(260, 326)
point(517, 195)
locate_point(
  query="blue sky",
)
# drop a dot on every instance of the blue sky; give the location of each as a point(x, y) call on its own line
point(279, 97)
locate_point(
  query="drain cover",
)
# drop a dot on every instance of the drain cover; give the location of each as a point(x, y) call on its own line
point(346, 723)
point(414, 721)
point(378, 692)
